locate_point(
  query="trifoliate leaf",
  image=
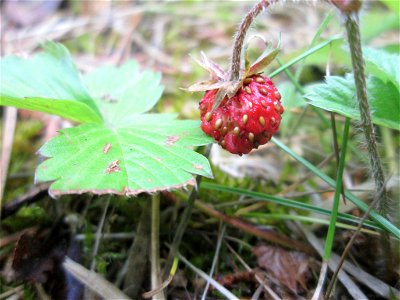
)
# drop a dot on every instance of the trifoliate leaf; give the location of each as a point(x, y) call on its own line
point(47, 82)
point(338, 94)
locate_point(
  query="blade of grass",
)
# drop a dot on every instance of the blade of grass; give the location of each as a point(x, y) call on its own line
point(281, 201)
point(383, 222)
point(305, 54)
point(338, 191)
point(312, 220)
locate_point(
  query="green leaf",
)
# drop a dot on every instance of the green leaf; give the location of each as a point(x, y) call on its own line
point(123, 92)
point(131, 151)
point(48, 82)
point(382, 64)
point(338, 95)
point(151, 154)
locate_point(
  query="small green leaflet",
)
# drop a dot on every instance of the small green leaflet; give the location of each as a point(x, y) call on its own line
point(119, 148)
point(120, 93)
point(47, 82)
point(338, 94)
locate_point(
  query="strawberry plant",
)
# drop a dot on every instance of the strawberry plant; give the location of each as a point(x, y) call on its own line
point(288, 184)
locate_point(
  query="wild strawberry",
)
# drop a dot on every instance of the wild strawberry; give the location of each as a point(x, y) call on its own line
point(246, 120)
point(240, 112)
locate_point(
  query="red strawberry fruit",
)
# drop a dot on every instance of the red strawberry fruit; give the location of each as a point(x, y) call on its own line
point(246, 120)
point(242, 111)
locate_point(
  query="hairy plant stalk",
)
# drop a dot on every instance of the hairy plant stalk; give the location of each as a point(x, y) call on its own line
point(353, 35)
point(241, 34)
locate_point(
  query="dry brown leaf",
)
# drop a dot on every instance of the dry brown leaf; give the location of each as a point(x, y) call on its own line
point(290, 268)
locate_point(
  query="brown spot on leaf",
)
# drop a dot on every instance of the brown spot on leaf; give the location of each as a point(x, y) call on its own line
point(113, 167)
point(106, 148)
point(171, 140)
point(198, 167)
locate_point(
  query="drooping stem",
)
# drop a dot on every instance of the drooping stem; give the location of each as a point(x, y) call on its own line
point(241, 34)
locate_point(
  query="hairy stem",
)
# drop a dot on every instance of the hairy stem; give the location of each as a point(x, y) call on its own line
point(353, 35)
point(241, 34)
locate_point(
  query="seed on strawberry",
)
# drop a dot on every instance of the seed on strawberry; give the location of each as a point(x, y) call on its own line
point(246, 120)
point(261, 120)
point(259, 79)
point(218, 123)
point(251, 136)
point(263, 91)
